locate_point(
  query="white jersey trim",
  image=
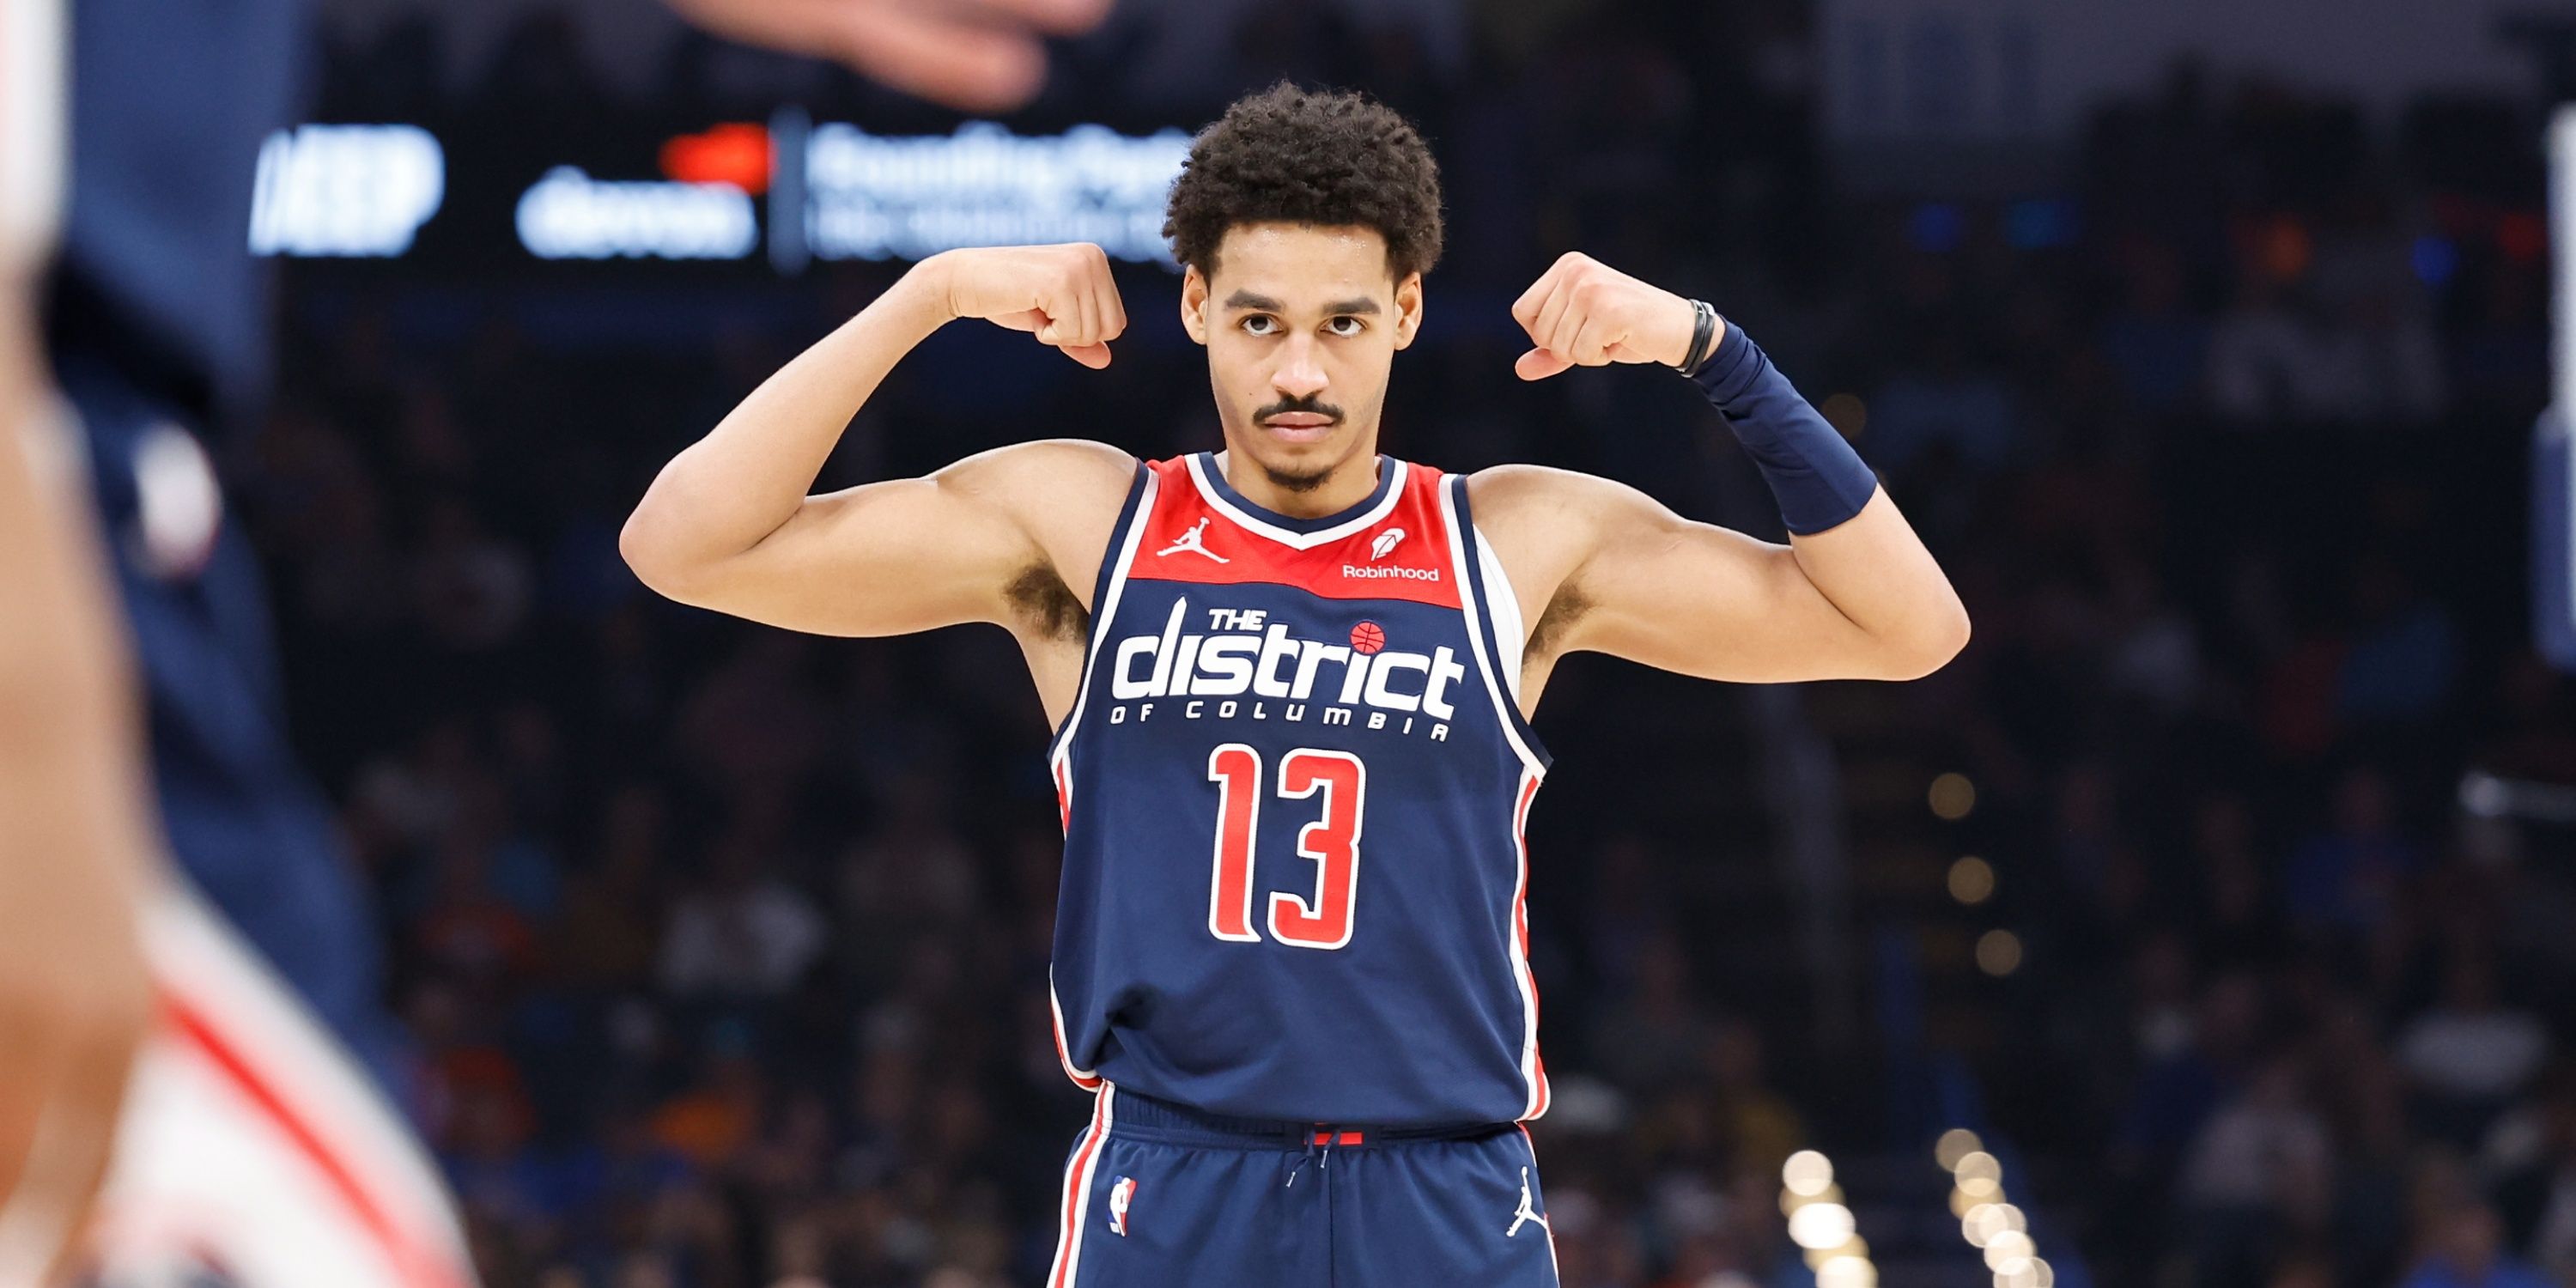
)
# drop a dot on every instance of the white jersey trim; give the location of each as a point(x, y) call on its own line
point(1511, 636)
point(1532, 1073)
point(1103, 612)
point(1060, 756)
point(1495, 688)
point(1087, 1079)
point(1258, 526)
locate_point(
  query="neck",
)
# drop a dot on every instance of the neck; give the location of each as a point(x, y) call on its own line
point(1350, 483)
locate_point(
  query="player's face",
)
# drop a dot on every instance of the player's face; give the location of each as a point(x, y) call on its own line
point(1301, 324)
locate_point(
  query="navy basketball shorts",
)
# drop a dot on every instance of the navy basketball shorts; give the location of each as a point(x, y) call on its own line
point(1160, 1195)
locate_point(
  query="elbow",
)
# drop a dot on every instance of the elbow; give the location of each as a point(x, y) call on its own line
point(647, 555)
point(1932, 648)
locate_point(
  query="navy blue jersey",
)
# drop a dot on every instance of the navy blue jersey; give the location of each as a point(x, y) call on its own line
point(1294, 783)
point(169, 104)
point(157, 326)
point(242, 818)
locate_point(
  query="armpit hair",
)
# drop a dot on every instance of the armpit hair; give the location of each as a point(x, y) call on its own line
point(1562, 613)
point(1045, 604)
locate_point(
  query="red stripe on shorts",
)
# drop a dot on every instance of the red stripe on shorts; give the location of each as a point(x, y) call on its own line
point(1075, 1184)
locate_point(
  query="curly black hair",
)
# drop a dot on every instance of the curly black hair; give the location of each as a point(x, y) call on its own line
point(1326, 158)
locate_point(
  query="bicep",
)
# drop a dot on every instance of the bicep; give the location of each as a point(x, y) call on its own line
point(883, 558)
point(1705, 601)
point(1006, 536)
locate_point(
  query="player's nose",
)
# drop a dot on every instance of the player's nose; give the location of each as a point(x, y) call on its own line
point(1298, 374)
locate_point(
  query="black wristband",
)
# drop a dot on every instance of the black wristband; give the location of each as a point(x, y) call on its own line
point(1703, 323)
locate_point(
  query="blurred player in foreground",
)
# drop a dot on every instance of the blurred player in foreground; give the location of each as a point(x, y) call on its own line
point(1292, 681)
point(248, 1149)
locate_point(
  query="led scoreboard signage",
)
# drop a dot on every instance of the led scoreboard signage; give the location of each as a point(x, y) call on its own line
point(875, 197)
point(357, 191)
point(805, 191)
point(569, 215)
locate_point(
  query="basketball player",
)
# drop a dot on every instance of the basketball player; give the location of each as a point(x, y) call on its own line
point(204, 1053)
point(1293, 680)
point(194, 1060)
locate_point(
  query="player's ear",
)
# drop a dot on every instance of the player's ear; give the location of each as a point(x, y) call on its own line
point(1408, 309)
point(1194, 303)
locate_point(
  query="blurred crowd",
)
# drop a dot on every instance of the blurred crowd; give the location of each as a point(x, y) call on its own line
point(724, 950)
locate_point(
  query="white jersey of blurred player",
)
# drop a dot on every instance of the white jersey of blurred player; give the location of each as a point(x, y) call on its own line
point(253, 1152)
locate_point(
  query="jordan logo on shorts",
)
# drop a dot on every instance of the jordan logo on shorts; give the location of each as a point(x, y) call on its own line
point(1526, 1213)
point(1122, 1193)
point(1194, 542)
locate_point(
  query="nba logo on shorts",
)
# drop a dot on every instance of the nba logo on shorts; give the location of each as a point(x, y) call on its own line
point(1122, 1191)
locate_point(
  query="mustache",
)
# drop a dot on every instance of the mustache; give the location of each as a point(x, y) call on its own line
point(1307, 406)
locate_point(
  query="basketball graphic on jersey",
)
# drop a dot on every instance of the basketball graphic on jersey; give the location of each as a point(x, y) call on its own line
point(1367, 637)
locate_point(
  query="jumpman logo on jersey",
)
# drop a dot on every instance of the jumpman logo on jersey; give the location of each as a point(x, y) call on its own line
point(1526, 1213)
point(1193, 541)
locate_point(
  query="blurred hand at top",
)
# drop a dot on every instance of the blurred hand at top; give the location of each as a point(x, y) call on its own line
point(971, 55)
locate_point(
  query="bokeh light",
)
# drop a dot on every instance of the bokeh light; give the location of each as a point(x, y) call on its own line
point(1821, 1225)
point(1987, 1220)
point(1972, 880)
point(1955, 1144)
point(1999, 953)
point(1979, 1173)
point(2008, 1249)
point(1847, 1272)
point(1807, 1173)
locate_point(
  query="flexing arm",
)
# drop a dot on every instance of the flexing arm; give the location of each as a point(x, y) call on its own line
point(1854, 595)
point(1621, 574)
point(728, 525)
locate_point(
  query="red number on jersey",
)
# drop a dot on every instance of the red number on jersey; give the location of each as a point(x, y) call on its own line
point(1236, 771)
point(1332, 841)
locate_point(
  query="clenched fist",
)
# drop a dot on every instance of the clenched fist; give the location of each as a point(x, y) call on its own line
point(1062, 293)
point(1584, 313)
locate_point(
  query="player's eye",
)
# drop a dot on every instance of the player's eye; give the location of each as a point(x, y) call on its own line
point(1354, 328)
point(1259, 324)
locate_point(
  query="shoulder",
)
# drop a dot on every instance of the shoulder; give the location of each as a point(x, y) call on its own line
point(1537, 501)
point(1052, 472)
point(1055, 489)
point(1543, 524)
point(1063, 495)
point(1552, 529)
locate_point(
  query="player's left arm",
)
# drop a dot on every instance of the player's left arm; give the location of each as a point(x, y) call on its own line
point(1618, 572)
point(1854, 595)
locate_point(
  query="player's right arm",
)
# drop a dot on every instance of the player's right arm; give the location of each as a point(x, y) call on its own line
point(997, 537)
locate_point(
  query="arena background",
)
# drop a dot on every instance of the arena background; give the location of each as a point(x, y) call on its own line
point(2215, 888)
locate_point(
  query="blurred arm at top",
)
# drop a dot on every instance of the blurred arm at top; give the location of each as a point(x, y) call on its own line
point(971, 55)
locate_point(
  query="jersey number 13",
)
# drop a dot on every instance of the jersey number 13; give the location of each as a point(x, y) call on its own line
point(1332, 841)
